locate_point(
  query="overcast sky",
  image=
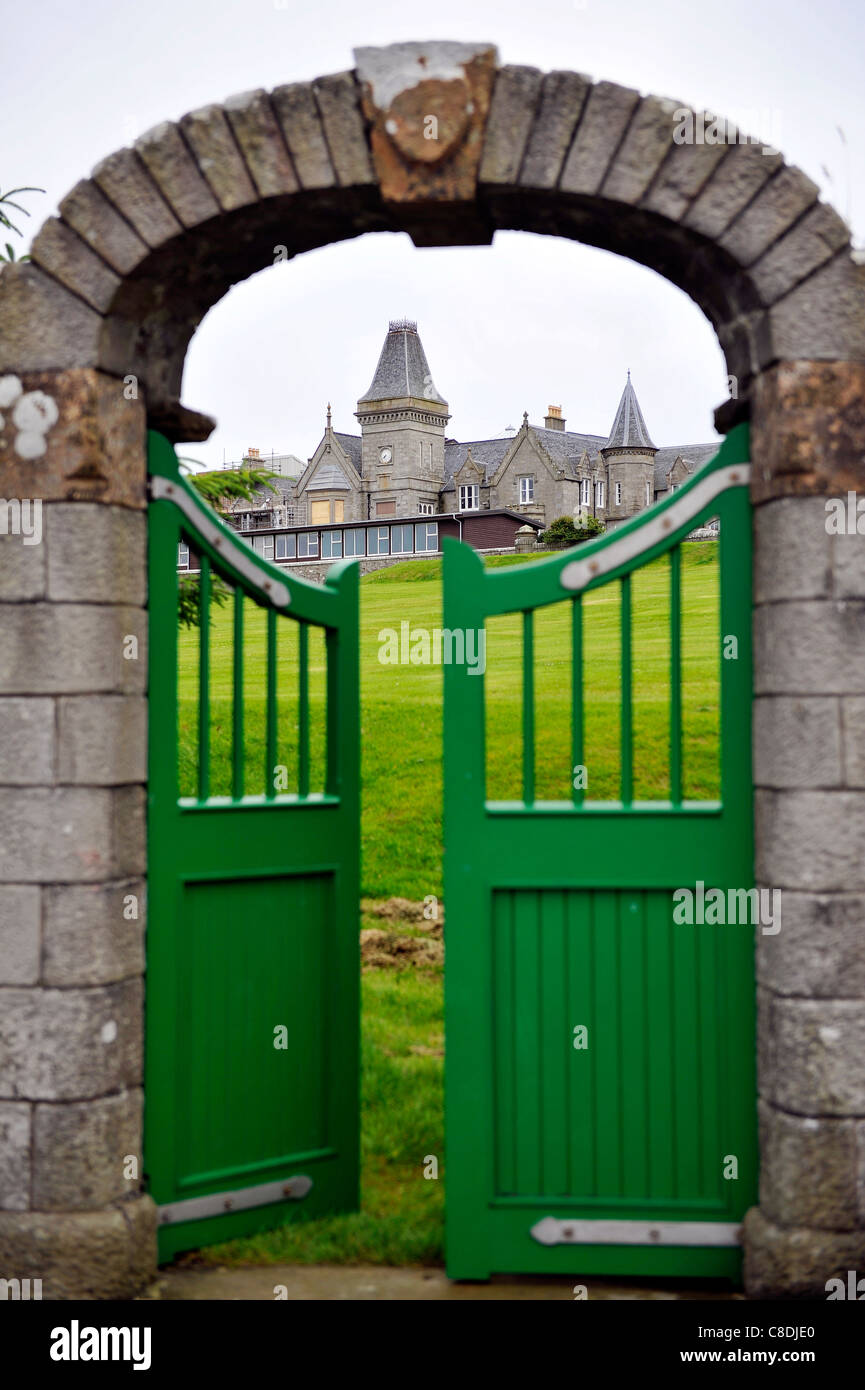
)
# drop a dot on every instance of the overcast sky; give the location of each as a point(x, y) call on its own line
point(527, 322)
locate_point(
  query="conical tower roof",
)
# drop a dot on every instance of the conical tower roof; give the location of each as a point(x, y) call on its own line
point(629, 428)
point(402, 370)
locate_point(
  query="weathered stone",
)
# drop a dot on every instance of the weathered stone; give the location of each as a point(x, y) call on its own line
point(22, 568)
point(130, 830)
point(15, 1172)
point(80, 1149)
point(809, 648)
point(338, 101)
point(765, 1042)
point(813, 840)
point(797, 741)
point(44, 327)
point(95, 450)
point(796, 1262)
point(685, 171)
point(68, 834)
point(807, 430)
point(176, 174)
point(512, 110)
point(792, 557)
point(819, 952)
point(807, 1170)
point(605, 118)
point(209, 136)
point(774, 210)
point(563, 95)
point(71, 649)
point(301, 126)
point(125, 181)
point(257, 133)
point(823, 319)
point(89, 213)
point(107, 1254)
point(819, 1056)
point(404, 88)
point(853, 725)
point(812, 242)
point(733, 184)
point(93, 934)
point(26, 741)
point(69, 1044)
point(649, 138)
point(102, 739)
point(19, 935)
point(848, 555)
point(63, 254)
point(96, 554)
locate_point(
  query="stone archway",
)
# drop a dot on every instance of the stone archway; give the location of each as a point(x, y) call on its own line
point(440, 141)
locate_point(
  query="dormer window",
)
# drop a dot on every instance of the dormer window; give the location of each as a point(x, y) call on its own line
point(469, 497)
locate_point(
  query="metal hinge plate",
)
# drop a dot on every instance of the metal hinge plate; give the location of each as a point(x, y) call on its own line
point(551, 1231)
point(238, 1199)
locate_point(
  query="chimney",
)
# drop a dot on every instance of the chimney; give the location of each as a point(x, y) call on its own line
point(252, 453)
point(553, 418)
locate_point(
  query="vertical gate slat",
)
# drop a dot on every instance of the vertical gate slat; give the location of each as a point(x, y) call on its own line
point(237, 704)
point(634, 1033)
point(527, 1035)
point(554, 1044)
point(627, 769)
point(528, 707)
point(577, 736)
point(676, 676)
point(270, 709)
point(659, 1055)
point(204, 680)
point(581, 1013)
point(607, 1045)
point(504, 1043)
point(303, 712)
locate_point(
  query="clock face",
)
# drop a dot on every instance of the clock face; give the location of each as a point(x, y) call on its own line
point(385, 455)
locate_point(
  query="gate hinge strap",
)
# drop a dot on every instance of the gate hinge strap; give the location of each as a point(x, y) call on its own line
point(551, 1231)
point(238, 1199)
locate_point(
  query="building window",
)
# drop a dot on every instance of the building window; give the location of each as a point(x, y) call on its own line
point(387, 508)
point(307, 544)
point(426, 535)
point(648, 494)
point(401, 540)
point(585, 493)
point(377, 540)
point(338, 510)
point(618, 494)
point(673, 487)
point(425, 509)
point(599, 494)
point(183, 556)
point(319, 512)
point(527, 490)
point(264, 546)
point(469, 497)
point(355, 542)
point(331, 545)
point(286, 547)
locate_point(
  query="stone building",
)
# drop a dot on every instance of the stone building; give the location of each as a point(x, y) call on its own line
point(404, 464)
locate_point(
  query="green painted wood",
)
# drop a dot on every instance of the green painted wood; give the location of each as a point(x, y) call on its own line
point(560, 915)
point(577, 714)
point(252, 918)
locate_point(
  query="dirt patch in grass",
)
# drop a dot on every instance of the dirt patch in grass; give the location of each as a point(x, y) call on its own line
point(393, 950)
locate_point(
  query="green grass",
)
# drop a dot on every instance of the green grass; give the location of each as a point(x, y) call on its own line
point(401, 1218)
point(401, 706)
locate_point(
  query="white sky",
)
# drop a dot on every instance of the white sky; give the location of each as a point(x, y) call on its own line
point(527, 322)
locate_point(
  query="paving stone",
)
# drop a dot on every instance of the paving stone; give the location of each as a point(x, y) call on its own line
point(109, 1254)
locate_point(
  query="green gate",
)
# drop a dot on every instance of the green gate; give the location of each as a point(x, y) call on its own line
point(600, 1055)
point(251, 1072)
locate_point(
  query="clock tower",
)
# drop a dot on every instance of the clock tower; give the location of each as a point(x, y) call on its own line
point(402, 421)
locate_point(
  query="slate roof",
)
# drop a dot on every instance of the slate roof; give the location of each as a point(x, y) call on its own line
point(694, 456)
point(352, 444)
point(629, 428)
point(565, 448)
point(402, 368)
point(329, 477)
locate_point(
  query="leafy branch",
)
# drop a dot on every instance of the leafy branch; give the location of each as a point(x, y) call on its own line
point(7, 200)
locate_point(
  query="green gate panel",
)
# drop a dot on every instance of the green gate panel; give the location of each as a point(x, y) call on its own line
point(608, 1157)
point(251, 1109)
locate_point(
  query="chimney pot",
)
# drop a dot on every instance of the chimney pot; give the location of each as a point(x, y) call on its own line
point(553, 419)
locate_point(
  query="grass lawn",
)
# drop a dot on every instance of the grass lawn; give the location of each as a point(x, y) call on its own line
point(401, 1217)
